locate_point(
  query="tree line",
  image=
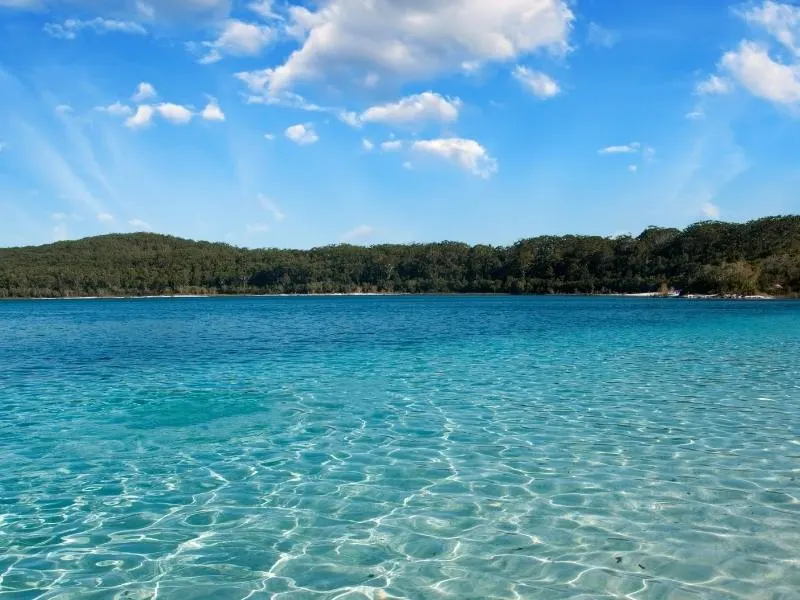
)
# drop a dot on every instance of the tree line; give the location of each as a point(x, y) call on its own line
point(761, 256)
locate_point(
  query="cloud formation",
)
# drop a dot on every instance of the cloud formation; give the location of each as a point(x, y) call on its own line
point(302, 134)
point(412, 41)
point(631, 148)
point(427, 106)
point(69, 29)
point(238, 38)
point(467, 154)
point(753, 64)
point(537, 83)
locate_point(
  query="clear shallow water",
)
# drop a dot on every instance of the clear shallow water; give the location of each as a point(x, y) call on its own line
point(356, 448)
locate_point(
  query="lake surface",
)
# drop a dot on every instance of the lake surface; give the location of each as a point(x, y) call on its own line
point(399, 447)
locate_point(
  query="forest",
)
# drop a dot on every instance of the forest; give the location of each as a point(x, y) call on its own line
point(710, 257)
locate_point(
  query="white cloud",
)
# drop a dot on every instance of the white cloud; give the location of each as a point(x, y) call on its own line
point(539, 84)
point(140, 225)
point(271, 207)
point(174, 113)
point(710, 210)
point(782, 21)
point(649, 153)
point(59, 216)
point(69, 29)
point(263, 8)
point(63, 109)
point(367, 145)
point(631, 148)
point(238, 38)
point(633, 168)
point(116, 110)
point(392, 146)
point(144, 91)
point(350, 118)
point(427, 106)
point(600, 36)
point(212, 112)
point(257, 228)
point(695, 115)
point(407, 165)
point(468, 154)
point(105, 217)
point(408, 41)
point(142, 117)
point(358, 233)
point(714, 85)
point(302, 134)
point(269, 136)
point(763, 77)
point(470, 67)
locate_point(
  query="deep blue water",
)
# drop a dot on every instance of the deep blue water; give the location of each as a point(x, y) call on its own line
point(399, 447)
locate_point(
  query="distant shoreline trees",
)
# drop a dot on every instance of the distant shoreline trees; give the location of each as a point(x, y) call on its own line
point(708, 257)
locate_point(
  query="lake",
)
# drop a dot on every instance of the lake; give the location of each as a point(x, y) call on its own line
point(399, 447)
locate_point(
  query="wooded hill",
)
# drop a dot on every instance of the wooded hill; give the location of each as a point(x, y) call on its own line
point(708, 257)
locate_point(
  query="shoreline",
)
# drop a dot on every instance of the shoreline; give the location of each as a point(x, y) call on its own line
point(644, 295)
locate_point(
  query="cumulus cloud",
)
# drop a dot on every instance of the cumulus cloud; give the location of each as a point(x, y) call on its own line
point(427, 106)
point(144, 91)
point(238, 38)
point(69, 29)
point(358, 233)
point(105, 217)
point(212, 112)
point(467, 154)
point(141, 118)
point(751, 64)
point(174, 113)
point(269, 136)
point(392, 145)
point(762, 76)
point(782, 21)
point(408, 41)
point(116, 110)
point(537, 83)
point(631, 148)
point(263, 8)
point(714, 85)
point(302, 134)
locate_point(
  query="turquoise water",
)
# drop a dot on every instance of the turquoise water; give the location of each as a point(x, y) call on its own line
point(352, 448)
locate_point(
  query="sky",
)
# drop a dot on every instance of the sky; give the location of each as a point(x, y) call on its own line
point(274, 123)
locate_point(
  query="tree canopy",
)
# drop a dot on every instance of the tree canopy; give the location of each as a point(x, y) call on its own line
point(707, 257)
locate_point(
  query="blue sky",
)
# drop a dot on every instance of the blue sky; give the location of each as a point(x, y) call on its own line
point(297, 124)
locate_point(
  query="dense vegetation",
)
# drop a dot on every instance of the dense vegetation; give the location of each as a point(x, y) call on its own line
point(708, 257)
